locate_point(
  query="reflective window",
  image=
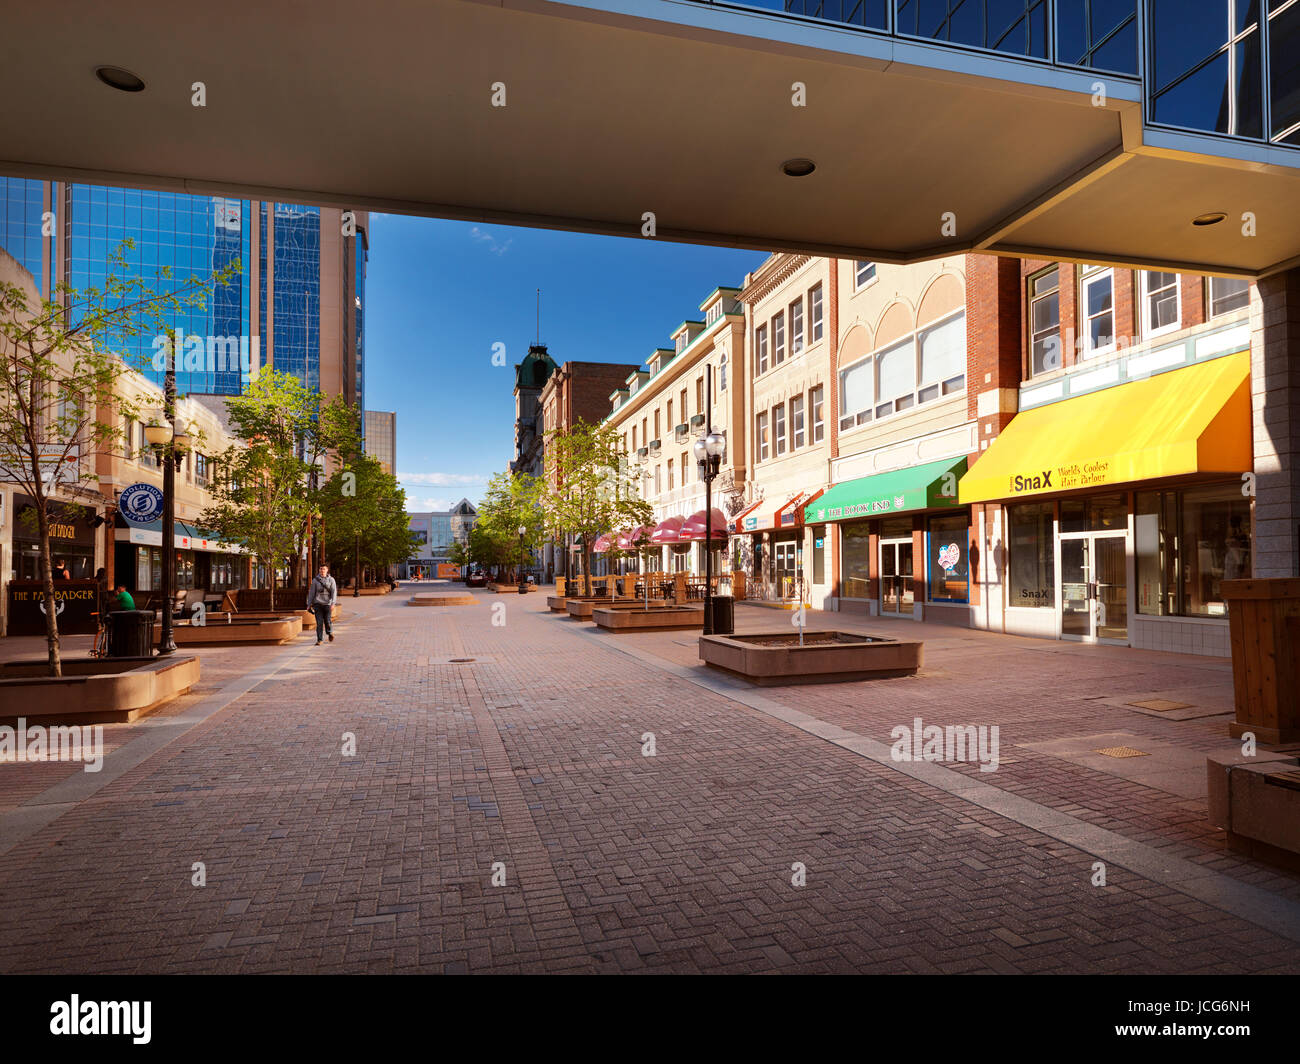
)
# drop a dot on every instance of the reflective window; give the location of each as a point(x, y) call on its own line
point(1284, 70)
point(778, 429)
point(1101, 34)
point(815, 314)
point(1207, 66)
point(1227, 294)
point(818, 424)
point(863, 273)
point(1031, 563)
point(1016, 26)
point(21, 207)
point(1187, 543)
point(856, 394)
point(854, 557)
point(1045, 321)
point(1097, 298)
point(796, 327)
point(1160, 307)
point(870, 14)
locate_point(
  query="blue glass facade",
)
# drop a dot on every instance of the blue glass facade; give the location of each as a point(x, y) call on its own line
point(21, 208)
point(193, 236)
point(295, 294)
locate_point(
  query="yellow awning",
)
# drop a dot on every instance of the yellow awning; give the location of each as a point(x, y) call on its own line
point(1192, 420)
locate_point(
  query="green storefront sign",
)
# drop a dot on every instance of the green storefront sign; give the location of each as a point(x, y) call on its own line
point(916, 488)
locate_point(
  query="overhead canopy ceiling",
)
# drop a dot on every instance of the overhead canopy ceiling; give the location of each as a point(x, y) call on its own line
point(388, 106)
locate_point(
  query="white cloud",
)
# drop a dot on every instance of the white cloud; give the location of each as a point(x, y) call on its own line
point(493, 245)
point(442, 480)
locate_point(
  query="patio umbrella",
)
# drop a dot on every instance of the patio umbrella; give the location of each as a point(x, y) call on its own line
point(667, 531)
point(694, 528)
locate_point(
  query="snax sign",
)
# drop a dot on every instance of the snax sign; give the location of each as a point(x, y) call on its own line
point(1061, 478)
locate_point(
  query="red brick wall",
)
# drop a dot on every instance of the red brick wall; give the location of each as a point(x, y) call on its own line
point(994, 348)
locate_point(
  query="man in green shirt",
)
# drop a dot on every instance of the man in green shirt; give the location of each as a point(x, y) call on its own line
point(123, 600)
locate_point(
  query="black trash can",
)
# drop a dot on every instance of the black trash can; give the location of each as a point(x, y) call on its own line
point(724, 615)
point(130, 634)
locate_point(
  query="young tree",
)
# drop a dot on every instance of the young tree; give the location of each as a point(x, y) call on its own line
point(361, 503)
point(62, 387)
point(589, 489)
point(264, 489)
point(510, 503)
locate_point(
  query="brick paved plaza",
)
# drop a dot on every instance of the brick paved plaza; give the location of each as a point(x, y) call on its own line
point(530, 755)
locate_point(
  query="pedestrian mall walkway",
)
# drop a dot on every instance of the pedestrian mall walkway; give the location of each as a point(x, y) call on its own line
point(500, 813)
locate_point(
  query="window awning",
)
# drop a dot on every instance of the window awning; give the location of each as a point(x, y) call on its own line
point(914, 488)
point(1192, 420)
point(185, 537)
point(737, 523)
point(791, 514)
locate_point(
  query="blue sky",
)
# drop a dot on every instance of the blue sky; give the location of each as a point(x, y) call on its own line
point(439, 294)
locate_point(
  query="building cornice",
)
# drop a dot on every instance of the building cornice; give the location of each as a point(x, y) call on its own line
point(771, 275)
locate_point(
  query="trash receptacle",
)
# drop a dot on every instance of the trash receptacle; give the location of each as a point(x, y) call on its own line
point(130, 634)
point(724, 615)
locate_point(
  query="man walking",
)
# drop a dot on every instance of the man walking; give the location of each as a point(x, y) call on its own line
point(321, 596)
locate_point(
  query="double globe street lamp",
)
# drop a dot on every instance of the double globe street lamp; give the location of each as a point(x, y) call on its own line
point(171, 440)
point(708, 452)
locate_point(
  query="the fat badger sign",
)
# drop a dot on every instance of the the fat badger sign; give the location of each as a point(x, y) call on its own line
point(74, 605)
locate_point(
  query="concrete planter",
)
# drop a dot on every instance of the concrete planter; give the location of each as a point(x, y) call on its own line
point(1256, 800)
point(308, 618)
point(510, 589)
point(582, 608)
point(94, 690)
point(636, 618)
point(443, 598)
point(273, 630)
point(825, 657)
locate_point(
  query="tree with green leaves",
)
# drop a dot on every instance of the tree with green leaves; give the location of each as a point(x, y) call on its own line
point(269, 484)
point(361, 503)
point(511, 502)
point(64, 392)
point(589, 488)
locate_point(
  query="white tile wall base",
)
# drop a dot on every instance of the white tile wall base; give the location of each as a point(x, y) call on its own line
point(1182, 637)
point(1040, 623)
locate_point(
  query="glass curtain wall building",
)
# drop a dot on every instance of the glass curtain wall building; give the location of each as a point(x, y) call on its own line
point(290, 258)
point(1213, 66)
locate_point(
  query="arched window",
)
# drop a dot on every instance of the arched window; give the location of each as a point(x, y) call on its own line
point(722, 374)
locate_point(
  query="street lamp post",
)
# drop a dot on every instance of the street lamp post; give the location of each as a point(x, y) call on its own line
point(708, 453)
point(170, 441)
point(523, 581)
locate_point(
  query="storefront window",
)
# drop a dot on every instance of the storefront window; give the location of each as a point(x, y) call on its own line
point(1188, 543)
point(949, 559)
point(854, 558)
point(1032, 558)
point(1094, 513)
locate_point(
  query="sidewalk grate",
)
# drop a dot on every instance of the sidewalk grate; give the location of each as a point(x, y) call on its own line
point(1121, 751)
point(1160, 705)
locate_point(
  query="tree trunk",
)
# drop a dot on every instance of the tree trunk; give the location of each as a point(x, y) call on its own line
point(270, 570)
point(51, 607)
point(586, 568)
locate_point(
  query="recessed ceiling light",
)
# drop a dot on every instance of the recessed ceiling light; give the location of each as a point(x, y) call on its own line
point(798, 167)
point(117, 78)
point(1209, 218)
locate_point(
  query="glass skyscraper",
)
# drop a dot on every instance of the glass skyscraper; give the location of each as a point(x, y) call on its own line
point(281, 254)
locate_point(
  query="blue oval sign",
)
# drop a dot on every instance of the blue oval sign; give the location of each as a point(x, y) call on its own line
point(141, 503)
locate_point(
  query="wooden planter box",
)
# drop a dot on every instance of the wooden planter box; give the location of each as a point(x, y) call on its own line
point(582, 608)
point(94, 690)
point(771, 659)
point(270, 629)
point(1264, 626)
point(636, 618)
point(444, 598)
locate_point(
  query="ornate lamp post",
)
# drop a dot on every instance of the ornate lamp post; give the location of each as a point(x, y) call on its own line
point(523, 580)
point(171, 441)
point(708, 453)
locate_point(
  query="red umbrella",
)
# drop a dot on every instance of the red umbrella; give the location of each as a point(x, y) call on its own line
point(631, 540)
point(694, 528)
point(667, 531)
point(602, 544)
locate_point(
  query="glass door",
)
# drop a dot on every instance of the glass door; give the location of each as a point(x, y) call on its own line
point(785, 570)
point(1094, 588)
point(896, 594)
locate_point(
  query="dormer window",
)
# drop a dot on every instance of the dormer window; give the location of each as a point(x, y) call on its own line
point(682, 341)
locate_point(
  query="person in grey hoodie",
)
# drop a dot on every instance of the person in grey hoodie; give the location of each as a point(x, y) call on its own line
point(321, 597)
